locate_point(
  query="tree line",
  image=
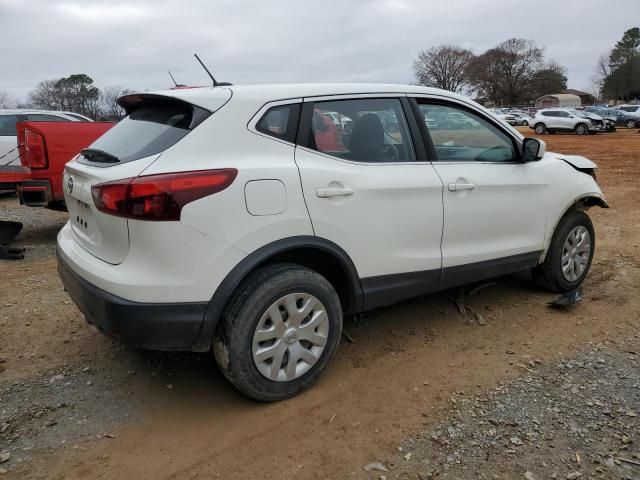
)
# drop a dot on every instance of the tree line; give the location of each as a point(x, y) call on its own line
point(513, 72)
point(516, 71)
point(75, 93)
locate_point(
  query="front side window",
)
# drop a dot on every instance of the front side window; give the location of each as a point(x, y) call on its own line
point(8, 125)
point(372, 130)
point(459, 135)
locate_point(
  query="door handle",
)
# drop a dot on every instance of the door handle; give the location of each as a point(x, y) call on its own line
point(458, 187)
point(334, 192)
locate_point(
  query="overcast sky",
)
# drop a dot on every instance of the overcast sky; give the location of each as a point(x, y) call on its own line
point(133, 43)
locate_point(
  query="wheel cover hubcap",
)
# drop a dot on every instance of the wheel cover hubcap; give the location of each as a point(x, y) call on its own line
point(576, 253)
point(290, 337)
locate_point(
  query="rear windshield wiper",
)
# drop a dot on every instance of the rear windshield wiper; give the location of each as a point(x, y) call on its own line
point(95, 155)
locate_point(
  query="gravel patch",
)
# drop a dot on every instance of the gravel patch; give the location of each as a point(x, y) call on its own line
point(576, 418)
point(63, 406)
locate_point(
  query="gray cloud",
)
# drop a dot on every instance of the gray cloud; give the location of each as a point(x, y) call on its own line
point(133, 43)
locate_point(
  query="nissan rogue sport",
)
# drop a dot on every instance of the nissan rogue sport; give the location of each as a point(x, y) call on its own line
point(238, 220)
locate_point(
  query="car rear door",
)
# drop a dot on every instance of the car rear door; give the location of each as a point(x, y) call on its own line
point(494, 212)
point(372, 191)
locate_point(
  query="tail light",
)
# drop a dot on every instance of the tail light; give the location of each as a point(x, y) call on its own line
point(35, 150)
point(159, 197)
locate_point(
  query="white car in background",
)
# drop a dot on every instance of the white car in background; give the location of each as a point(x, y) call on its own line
point(522, 118)
point(226, 219)
point(552, 120)
point(632, 109)
point(506, 116)
point(9, 158)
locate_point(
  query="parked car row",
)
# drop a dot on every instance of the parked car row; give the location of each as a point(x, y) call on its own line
point(582, 122)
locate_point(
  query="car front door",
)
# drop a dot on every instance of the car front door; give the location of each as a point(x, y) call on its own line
point(370, 190)
point(494, 212)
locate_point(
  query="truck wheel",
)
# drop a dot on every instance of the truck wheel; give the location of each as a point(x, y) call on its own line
point(281, 329)
point(581, 129)
point(539, 128)
point(570, 253)
point(630, 124)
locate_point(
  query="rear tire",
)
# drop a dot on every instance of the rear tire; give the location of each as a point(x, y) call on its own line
point(540, 129)
point(570, 253)
point(281, 312)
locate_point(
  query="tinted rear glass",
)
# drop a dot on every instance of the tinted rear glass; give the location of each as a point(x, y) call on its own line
point(629, 109)
point(150, 129)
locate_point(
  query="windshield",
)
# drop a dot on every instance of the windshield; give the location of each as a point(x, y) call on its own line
point(148, 130)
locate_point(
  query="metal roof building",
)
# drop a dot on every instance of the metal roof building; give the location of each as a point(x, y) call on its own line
point(558, 100)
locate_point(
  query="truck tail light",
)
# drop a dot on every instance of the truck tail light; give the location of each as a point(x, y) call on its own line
point(159, 197)
point(35, 150)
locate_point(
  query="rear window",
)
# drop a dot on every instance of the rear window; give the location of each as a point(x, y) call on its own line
point(148, 130)
point(629, 109)
point(8, 125)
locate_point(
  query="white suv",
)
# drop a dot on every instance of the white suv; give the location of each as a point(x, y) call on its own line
point(236, 219)
point(554, 120)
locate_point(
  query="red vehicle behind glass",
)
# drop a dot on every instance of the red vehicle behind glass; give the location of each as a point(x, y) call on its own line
point(45, 148)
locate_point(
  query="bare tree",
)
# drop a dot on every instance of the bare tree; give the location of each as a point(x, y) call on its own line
point(602, 72)
point(109, 101)
point(504, 73)
point(443, 67)
point(6, 101)
point(46, 96)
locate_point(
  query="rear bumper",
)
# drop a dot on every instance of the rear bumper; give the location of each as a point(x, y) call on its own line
point(154, 326)
point(12, 175)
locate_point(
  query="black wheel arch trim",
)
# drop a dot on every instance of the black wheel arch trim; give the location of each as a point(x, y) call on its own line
point(261, 256)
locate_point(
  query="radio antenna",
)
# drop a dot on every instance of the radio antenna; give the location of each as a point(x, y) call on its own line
point(172, 79)
point(215, 83)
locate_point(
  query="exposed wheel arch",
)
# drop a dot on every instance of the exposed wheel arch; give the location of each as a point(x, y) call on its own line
point(583, 203)
point(315, 253)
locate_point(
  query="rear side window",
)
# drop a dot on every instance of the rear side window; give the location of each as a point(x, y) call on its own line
point(371, 130)
point(148, 130)
point(8, 125)
point(280, 122)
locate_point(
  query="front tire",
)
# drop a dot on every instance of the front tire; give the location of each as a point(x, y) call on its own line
point(581, 129)
point(570, 253)
point(630, 124)
point(281, 329)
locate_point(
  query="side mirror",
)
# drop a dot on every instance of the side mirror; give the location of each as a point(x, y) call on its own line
point(533, 149)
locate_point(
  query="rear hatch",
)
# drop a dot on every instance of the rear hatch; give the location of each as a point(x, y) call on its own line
point(153, 124)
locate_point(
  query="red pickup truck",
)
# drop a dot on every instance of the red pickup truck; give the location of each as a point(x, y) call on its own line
point(45, 148)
